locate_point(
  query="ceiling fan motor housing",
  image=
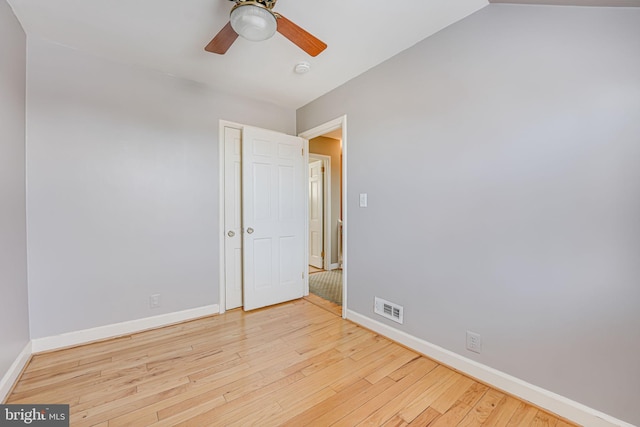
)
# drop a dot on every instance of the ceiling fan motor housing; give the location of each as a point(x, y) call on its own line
point(253, 21)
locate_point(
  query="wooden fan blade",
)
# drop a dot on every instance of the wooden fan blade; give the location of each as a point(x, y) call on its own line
point(222, 41)
point(300, 37)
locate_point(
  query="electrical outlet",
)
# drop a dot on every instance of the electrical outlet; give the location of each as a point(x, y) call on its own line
point(474, 342)
point(154, 301)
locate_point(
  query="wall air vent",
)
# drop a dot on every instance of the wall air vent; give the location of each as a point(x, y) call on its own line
point(388, 309)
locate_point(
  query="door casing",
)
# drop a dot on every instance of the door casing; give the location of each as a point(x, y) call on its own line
point(338, 123)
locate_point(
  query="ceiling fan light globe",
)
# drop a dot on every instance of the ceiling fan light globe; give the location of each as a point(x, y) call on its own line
point(253, 23)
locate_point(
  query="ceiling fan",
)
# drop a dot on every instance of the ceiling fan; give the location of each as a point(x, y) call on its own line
point(255, 20)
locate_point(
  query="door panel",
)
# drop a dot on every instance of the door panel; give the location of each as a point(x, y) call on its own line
point(262, 256)
point(233, 217)
point(262, 189)
point(273, 217)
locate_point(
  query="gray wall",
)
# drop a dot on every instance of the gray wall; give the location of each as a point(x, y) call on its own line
point(14, 314)
point(123, 188)
point(501, 161)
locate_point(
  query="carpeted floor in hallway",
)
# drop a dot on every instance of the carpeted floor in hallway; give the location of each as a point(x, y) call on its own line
point(327, 285)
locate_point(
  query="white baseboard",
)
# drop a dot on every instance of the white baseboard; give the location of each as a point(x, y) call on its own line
point(7, 381)
point(545, 399)
point(334, 266)
point(118, 329)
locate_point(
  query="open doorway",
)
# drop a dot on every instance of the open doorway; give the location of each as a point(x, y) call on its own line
point(326, 215)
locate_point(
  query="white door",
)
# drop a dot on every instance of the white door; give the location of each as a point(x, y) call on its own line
point(273, 197)
point(316, 210)
point(233, 217)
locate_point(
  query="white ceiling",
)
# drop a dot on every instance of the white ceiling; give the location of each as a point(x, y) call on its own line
point(170, 35)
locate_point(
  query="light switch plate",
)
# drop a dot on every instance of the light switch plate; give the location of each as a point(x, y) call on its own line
point(363, 200)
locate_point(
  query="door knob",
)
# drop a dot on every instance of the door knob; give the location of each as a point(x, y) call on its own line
point(249, 230)
point(231, 233)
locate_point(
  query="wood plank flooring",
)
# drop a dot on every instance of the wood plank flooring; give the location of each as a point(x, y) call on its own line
point(295, 364)
point(323, 303)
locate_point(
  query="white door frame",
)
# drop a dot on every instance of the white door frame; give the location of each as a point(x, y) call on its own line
point(326, 178)
point(339, 123)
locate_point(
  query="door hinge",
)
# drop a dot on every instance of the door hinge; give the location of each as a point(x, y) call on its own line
point(322, 254)
point(302, 152)
point(322, 169)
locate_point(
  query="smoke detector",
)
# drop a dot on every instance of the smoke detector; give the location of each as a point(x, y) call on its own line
point(302, 67)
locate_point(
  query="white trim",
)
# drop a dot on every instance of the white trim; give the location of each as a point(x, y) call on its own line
point(324, 128)
point(305, 274)
point(334, 266)
point(221, 251)
point(545, 399)
point(118, 329)
point(9, 379)
point(339, 123)
point(326, 208)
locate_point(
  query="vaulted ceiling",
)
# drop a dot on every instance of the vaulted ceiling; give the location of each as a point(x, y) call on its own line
point(170, 35)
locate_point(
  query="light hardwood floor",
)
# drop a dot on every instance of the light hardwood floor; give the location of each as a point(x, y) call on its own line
point(294, 364)
point(323, 303)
